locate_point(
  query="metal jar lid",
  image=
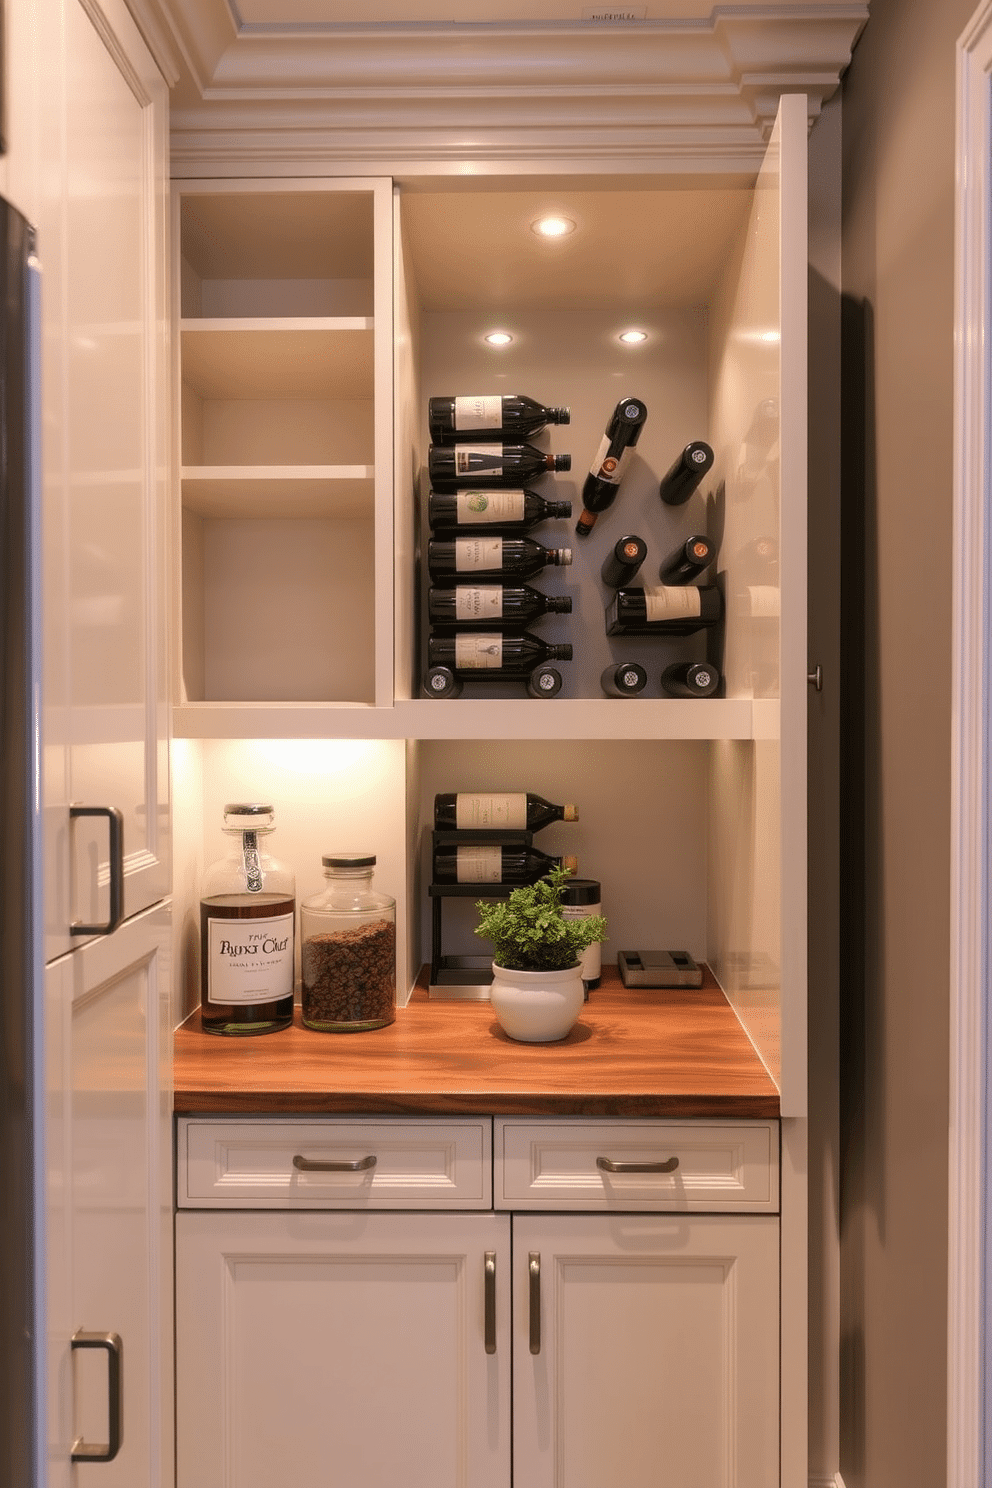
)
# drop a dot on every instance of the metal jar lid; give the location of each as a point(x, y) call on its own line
point(581, 891)
point(348, 860)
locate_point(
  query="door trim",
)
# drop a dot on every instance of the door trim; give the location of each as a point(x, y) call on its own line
point(969, 1250)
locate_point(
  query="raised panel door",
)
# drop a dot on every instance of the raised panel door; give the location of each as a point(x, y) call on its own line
point(645, 1351)
point(347, 1348)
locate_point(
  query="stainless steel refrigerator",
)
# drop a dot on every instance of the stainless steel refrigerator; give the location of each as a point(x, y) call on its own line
point(22, 1093)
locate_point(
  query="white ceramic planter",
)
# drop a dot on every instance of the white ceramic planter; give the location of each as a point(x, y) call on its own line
point(537, 1007)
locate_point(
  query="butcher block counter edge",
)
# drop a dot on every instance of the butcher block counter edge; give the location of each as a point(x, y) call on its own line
point(671, 1053)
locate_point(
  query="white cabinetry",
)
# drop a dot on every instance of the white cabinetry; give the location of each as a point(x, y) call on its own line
point(87, 161)
point(383, 1340)
point(300, 615)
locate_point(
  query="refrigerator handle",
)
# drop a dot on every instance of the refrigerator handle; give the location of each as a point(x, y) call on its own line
point(104, 1452)
point(115, 821)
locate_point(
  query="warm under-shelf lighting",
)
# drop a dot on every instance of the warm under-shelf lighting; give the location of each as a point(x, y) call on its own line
point(552, 227)
point(499, 338)
point(632, 338)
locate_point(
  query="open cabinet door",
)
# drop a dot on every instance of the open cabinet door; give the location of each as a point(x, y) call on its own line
point(758, 785)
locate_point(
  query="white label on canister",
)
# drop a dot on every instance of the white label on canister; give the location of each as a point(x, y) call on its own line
point(479, 602)
point(478, 413)
point(249, 961)
point(479, 553)
point(478, 457)
point(478, 652)
point(489, 506)
point(591, 960)
point(479, 864)
point(487, 811)
point(671, 601)
point(607, 467)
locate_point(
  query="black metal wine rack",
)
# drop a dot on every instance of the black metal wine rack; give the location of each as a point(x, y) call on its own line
point(465, 976)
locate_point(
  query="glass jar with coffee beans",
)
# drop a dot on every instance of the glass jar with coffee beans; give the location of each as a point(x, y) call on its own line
point(348, 949)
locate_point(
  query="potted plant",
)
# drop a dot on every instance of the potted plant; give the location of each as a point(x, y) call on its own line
point(537, 990)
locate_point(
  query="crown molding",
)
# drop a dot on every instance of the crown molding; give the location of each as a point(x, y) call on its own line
point(465, 92)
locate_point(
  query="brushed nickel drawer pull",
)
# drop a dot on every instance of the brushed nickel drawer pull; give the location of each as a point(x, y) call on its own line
point(534, 1273)
point(607, 1165)
point(490, 1301)
point(360, 1165)
point(104, 1452)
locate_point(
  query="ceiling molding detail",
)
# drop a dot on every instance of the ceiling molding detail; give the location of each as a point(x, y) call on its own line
point(461, 93)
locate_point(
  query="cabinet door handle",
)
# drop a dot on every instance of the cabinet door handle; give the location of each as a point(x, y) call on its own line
point(609, 1166)
point(97, 1452)
point(490, 1300)
point(115, 821)
point(534, 1273)
point(359, 1165)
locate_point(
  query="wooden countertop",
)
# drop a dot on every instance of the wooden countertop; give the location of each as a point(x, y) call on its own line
point(660, 1053)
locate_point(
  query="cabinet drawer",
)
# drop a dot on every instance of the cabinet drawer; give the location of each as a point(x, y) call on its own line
point(265, 1164)
point(704, 1165)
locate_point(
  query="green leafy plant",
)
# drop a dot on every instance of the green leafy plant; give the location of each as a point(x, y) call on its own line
point(528, 930)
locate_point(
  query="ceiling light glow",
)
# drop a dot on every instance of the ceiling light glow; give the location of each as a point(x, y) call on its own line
point(553, 227)
point(633, 338)
point(499, 338)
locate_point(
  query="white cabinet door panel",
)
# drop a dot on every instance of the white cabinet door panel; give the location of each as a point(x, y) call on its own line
point(346, 1348)
point(645, 1352)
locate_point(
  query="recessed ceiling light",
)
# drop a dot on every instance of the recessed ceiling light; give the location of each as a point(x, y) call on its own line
point(499, 338)
point(632, 338)
point(553, 227)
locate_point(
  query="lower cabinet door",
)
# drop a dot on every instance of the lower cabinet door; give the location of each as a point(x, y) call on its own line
point(359, 1350)
point(645, 1351)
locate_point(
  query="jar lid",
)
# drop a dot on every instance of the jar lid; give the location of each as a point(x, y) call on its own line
point(238, 808)
point(348, 860)
point(581, 891)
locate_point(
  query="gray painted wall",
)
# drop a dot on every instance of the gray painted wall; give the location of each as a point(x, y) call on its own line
point(898, 275)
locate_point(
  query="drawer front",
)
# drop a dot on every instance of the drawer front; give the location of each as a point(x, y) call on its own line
point(334, 1163)
point(637, 1165)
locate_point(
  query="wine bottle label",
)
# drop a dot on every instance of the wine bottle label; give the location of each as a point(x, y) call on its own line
point(469, 457)
point(666, 602)
point(607, 467)
point(489, 506)
point(479, 864)
point(478, 413)
point(479, 602)
point(478, 652)
point(249, 961)
point(486, 812)
point(480, 553)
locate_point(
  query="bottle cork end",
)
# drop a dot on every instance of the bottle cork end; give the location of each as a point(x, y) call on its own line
point(570, 864)
point(570, 813)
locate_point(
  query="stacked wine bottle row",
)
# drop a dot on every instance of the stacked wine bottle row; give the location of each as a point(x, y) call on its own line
point(479, 604)
point(486, 837)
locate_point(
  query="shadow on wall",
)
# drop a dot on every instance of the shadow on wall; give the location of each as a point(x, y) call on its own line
point(862, 1102)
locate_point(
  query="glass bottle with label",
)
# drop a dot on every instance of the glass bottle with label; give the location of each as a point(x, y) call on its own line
point(348, 949)
point(247, 919)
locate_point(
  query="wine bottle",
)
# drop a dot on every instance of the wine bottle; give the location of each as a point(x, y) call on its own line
point(516, 510)
point(493, 652)
point(491, 810)
point(678, 483)
point(622, 563)
point(493, 604)
point(664, 610)
point(441, 682)
point(690, 679)
point(624, 679)
point(511, 417)
point(489, 465)
point(492, 557)
point(486, 863)
point(687, 562)
point(606, 470)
